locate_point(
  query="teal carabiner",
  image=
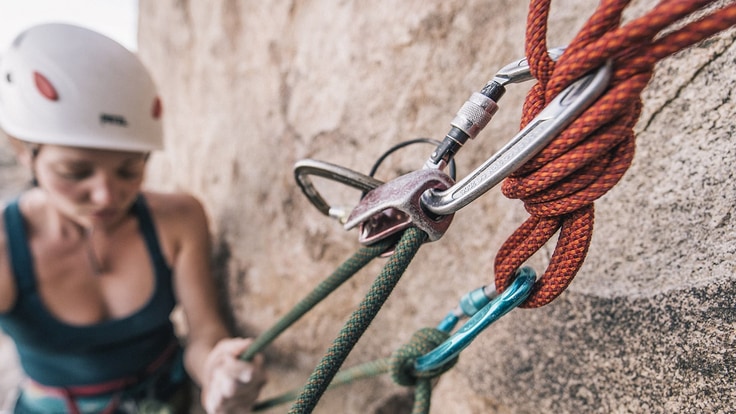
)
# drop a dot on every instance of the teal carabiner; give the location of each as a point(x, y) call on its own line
point(512, 297)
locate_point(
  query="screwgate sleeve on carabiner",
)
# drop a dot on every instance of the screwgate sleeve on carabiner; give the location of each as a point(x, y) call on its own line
point(470, 303)
point(550, 122)
point(478, 110)
point(513, 296)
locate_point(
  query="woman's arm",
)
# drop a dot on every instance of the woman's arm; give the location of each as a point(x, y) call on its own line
point(7, 281)
point(211, 355)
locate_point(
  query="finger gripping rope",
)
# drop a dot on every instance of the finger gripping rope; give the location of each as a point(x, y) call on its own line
point(402, 360)
point(559, 185)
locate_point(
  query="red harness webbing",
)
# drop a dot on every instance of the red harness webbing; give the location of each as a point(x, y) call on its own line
point(71, 393)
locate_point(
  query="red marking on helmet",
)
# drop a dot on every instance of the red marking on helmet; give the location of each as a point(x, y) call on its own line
point(45, 87)
point(157, 108)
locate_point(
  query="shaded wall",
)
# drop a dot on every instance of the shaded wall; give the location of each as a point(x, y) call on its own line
point(252, 87)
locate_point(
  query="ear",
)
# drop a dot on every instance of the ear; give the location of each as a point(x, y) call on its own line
point(23, 151)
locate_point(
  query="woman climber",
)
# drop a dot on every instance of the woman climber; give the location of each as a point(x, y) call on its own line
point(91, 265)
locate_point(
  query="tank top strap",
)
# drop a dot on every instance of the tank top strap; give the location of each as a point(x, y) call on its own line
point(21, 258)
point(20, 252)
point(148, 230)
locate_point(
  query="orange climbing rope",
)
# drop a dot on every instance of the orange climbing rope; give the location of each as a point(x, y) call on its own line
point(559, 185)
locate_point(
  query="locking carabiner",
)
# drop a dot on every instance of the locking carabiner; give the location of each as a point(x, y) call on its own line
point(481, 318)
point(552, 120)
point(397, 204)
point(478, 110)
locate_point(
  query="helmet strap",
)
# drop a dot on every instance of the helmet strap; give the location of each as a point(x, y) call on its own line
point(33, 150)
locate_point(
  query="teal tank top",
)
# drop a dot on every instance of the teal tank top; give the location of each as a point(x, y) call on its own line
point(58, 354)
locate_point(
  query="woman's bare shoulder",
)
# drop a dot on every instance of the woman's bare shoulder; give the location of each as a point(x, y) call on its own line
point(178, 214)
point(180, 222)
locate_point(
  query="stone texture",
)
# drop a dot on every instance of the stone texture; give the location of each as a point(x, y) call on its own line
point(13, 178)
point(251, 88)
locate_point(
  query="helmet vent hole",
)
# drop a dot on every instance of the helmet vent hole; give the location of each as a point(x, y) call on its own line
point(157, 108)
point(45, 87)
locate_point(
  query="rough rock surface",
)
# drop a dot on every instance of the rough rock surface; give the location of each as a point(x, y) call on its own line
point(252, 87)
point(13, 178)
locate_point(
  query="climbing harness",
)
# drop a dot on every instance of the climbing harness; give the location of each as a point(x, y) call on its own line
point(132, 394)
point(575, 143)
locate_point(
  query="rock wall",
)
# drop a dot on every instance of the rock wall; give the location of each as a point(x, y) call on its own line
point(13, 178)
point(252, 87)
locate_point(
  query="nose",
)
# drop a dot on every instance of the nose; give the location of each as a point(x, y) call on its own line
point(103, 191)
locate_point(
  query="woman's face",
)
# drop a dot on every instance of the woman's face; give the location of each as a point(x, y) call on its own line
point(91, 187)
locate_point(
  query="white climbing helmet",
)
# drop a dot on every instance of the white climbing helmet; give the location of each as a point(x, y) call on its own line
point(66, 85)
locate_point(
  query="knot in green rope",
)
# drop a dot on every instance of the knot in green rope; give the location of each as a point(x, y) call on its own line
point(402, 360)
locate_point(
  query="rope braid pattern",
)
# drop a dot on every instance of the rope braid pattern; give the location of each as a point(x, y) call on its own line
point(359, 321)
point(344, 272)
point(402, 366)
point(560, 184)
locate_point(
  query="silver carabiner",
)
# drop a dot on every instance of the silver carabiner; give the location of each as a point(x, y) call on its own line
point(518, 72)
point(303, 169)
point(553, 119)
point(478, 110)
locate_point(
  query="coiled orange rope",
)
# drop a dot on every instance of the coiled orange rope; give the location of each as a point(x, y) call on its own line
point(559, 186)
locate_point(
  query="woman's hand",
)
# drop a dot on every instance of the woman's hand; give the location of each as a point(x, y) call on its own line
point(231, 385)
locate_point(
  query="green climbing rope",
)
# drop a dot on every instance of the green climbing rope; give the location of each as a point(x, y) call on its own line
point(347, 376)
point(359, 321)
point(402, 366)
point(401, 361)
point(344, 272)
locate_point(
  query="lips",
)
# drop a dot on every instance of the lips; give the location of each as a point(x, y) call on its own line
point(105, 214)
